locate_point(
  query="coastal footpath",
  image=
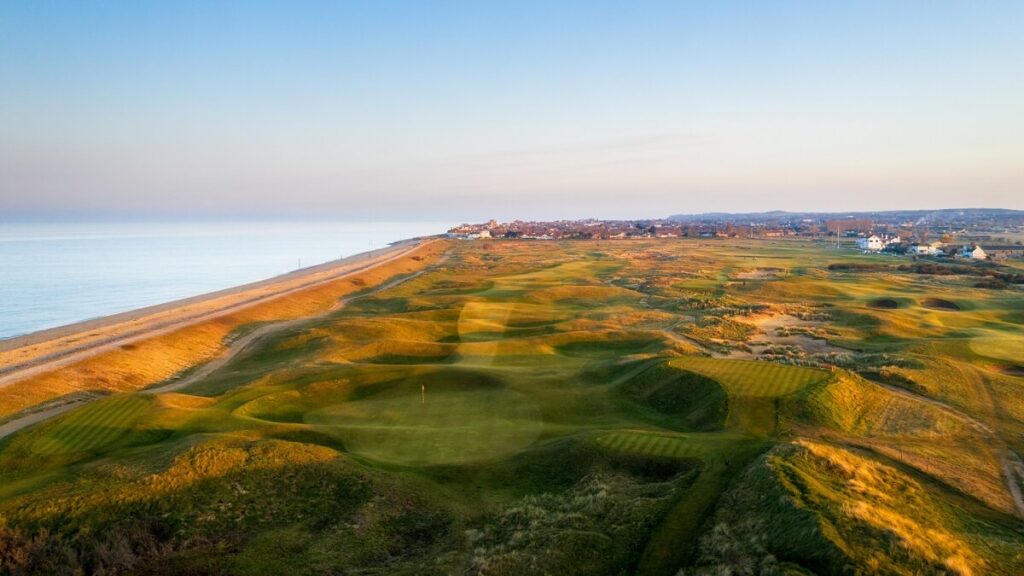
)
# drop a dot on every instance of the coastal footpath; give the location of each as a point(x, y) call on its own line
point(48, 372)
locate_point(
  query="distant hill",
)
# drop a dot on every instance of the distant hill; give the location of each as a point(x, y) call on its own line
point(943, 215)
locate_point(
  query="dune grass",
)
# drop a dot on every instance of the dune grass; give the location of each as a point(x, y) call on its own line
point(532, 407)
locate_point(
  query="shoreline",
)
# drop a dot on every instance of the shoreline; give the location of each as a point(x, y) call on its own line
point(38, 352)
point(45, 334)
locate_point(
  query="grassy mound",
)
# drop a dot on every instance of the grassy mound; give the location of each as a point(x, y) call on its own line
point(857, 406)
point(588, 296)
point(678, 398)
point(608, 343)
point(815, 506)
point(913, 431)
point(523, 407)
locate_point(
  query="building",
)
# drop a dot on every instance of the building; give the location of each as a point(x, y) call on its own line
point(872, 243)
point(933, 249)
point(1001, 251)
point(973, 252)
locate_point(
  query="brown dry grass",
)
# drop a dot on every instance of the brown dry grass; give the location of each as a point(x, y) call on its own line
point(913, 431)
point(159, 358)
point(878, 496)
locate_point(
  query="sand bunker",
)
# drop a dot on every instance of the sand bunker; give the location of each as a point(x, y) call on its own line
point(939, 304)
point(884, 304)
point(760, 274)
point(775, 331)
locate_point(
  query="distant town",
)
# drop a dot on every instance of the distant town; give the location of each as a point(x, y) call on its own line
point(977, 234)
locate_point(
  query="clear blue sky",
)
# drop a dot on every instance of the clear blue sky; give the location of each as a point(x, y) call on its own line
point(542, 109)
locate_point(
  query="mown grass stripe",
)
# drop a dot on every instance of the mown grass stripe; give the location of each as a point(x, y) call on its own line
point(665, 446)
point(619, 441)
point(647, 443)
point(94, 426)
point(103, 430)
point(629, 441)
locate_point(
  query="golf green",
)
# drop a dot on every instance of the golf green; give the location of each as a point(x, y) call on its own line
point(422, 427)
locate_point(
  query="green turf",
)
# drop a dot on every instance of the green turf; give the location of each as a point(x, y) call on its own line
point(543, 407)
point(94, 427)
point(434, 427)
point(746, 378)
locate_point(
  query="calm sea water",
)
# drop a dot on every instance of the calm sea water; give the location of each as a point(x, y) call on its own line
point(56, 274)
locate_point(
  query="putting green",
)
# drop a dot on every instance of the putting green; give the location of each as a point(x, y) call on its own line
point(435, 427)
point(1006, 347)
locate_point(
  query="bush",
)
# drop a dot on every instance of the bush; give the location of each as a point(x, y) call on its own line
point(858, 267)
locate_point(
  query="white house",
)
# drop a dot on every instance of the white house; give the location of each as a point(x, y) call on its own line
point(933, 249)
point(973, 252)
point(873, 243)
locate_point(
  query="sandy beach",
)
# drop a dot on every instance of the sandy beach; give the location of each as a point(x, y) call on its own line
point(40, 352)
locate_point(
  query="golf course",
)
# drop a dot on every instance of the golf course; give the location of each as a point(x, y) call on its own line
point(508, 407)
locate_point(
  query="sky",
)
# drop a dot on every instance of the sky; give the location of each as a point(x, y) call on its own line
point(525, 109)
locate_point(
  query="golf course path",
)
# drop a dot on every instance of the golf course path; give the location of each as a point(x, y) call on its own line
point(234, 348)
point(1012, 465)
point(238, 346)
point(76, 353)
point(12, 426)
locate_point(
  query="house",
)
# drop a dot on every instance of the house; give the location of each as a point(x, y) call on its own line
point(933, 249)
point(973, 252)
point(1000, 251)
point(873, 243)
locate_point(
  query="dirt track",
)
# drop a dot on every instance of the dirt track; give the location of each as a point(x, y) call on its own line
point(239, 345)
point(77, 342)
point(51, 410)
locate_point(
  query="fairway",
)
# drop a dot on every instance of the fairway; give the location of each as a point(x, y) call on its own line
point(435, 427)
point(601, 408)
point(754, 379)
point(706, 446)
point(93, 427)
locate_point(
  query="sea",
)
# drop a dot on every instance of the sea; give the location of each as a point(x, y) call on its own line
point(52, 274)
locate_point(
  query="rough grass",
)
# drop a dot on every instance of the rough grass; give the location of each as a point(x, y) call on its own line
point(163, 356)
point(830, 510)
point(911, 430)
point(530, 407)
